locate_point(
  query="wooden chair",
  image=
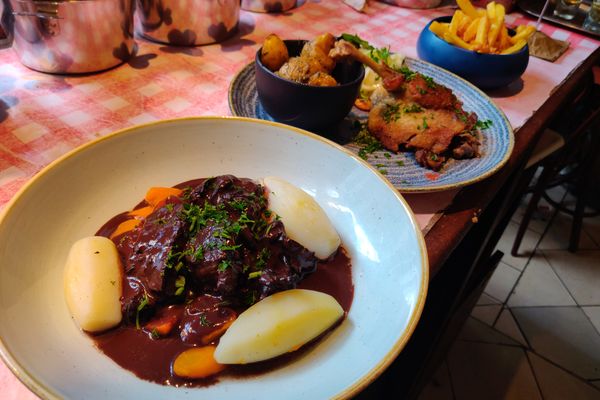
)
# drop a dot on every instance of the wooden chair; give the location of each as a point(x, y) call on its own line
point(570, 159)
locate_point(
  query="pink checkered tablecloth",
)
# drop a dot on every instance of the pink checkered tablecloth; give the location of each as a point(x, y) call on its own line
point(44, 116)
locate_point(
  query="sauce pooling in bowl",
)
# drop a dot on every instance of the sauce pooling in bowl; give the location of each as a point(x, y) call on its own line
point(196, 256)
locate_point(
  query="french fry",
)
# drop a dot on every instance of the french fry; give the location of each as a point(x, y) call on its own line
point(456, 18)
point(464, 24)
point(524, 34)
point(438, 28)
point(500, 13)
point(467, 8)
point(491, 11)
point(515, 47)
point(454, 39)
point(482, 31)
point(504, 38)
point(471, 31)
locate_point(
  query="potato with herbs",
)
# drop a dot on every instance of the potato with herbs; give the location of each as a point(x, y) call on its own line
point(313, 66)
point(274, 53)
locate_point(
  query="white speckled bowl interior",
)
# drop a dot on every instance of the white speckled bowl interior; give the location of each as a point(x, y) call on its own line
point(75, 195)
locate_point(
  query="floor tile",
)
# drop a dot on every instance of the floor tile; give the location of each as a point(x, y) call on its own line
point(487, 314)
point(593, 313)
point(489, 371)
point(507, 325)
point(502, 281)
point(526, 249)
point(580, 272)
point(563, 335)
point(541, 217)
point(556, 384)
point(558, 234)
point(476, 331)
point(540, 286)
point(485, 300)
point(439, 387)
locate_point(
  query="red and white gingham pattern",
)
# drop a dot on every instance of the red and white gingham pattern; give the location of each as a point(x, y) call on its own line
point(50, 115)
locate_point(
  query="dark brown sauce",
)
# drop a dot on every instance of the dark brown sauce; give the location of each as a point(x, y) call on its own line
point(151, 359)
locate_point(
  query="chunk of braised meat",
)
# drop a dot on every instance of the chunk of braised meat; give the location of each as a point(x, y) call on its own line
point(219, 239)
point(146, 254)
point(430, 160)
point(281, 263)
point(465, 146)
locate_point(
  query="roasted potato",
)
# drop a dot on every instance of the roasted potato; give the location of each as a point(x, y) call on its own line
point(274, 53)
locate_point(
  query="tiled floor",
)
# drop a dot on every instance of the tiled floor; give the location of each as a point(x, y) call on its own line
point(535, 331)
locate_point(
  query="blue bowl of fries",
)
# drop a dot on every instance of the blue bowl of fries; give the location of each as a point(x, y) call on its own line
point(473, 58)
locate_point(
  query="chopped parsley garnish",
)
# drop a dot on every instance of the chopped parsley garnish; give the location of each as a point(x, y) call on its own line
point(226, 247)
point(169, 207)
point(408, 73)
point(198, 217)
point(356, 40)
point(175, 260)
point(199, 253)
point(255, 274)
point(262, 258)
point(382, 171)
point(204, 320)
point(223, 265)
point(250, 298)
point(244, 220)
point(413, 108)
point(391, 112)
point(380, 165)
point(377, 54)
point(425, 126)
point(154, 334)
point(483, 124)
point(430, 82)
point(400, 163)
point(387, 155)
point(422, 91)
point(368, 144)
point(433, 157)
point(139, 309)
point(239, 205)
point(180, 285)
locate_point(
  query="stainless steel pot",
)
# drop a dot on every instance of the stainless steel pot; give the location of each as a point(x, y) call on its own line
point(268, 5)
point(70, 36)
point(187, 22)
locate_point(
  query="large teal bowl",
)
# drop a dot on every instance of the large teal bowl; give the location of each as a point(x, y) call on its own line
point(486, 71)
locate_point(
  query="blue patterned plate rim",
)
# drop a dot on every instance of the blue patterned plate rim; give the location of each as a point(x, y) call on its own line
point(401, 168)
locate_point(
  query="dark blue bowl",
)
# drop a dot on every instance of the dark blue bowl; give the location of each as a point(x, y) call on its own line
point(304, 106)
point(486, 71)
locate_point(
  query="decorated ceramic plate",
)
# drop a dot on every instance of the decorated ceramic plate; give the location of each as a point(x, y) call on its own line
point(75, 195)
point(401, 168)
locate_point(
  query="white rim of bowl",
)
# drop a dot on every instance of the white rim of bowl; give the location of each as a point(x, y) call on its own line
point(45, 392)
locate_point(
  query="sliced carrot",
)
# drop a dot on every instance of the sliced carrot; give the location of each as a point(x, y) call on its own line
point(211, 337)
point(156, 195)
point(197, 362)
point(125, 226)
point(363, 104)
point(141, 212)
point(162, 326)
